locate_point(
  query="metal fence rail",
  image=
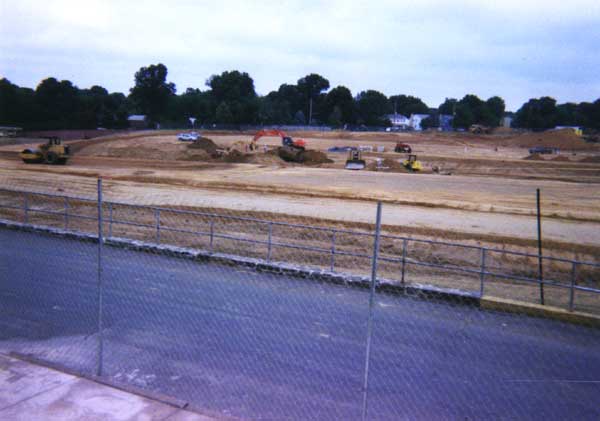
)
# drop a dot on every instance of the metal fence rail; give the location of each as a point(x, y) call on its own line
point(481, 269)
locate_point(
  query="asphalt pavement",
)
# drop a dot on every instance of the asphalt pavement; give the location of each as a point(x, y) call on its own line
point(241, 343)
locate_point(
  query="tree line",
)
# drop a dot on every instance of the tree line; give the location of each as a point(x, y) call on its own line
point(230, 98)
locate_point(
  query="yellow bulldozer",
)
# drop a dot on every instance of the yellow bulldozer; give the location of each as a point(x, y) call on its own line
point(52, 152)
point(355, 160)
point(412, 164)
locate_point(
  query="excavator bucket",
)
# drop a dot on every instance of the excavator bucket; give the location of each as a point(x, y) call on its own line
point(355, 161)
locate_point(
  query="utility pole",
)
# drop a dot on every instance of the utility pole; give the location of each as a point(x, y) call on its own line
point(310, 112)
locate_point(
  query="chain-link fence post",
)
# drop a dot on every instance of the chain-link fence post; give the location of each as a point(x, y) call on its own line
point(212, 234)
point(482, 272)
point(157, 224)
point(539, 239)
point(270, 243)
point(404, 247)
point(100, 292)
point(573, 282)
point(332, 263)
point(26, 208)
point(110, 219)
point(66, 215)
point(370, 318)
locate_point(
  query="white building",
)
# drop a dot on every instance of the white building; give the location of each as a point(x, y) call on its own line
point(415, 121)
point(506, 122)
point(398, 120)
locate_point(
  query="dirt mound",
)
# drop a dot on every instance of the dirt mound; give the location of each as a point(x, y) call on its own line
point(312, 157)
point(236, 156)
point(387, 165)
point(562, 139)
point(561, 158)
point(535, 157)
point(205, 144)
point(305, 157)
point(591, 159)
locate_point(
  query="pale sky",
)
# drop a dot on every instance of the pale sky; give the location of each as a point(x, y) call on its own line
point(427, 48)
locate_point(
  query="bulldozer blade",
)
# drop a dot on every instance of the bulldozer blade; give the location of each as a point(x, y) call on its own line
point(355, 165)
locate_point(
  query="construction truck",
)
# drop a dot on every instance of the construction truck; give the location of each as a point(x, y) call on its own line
point(355, 160)
point(402, 148)
point(412, 164)
point(52, 152)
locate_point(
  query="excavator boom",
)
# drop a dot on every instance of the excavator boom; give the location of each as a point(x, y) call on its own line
point(285, 139)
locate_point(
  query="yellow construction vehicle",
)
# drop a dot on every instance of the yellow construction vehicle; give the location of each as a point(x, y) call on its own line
point(355, 160)
point(412, 164)
point(52, 152)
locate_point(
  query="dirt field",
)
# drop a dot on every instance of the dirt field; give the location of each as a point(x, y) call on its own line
point(474, 189)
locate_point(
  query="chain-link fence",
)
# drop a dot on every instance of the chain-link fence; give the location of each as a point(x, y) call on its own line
point(249, 314)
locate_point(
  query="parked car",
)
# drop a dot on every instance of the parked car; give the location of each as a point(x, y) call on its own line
point(188, 137)
point(543, 150)
point(340, 149)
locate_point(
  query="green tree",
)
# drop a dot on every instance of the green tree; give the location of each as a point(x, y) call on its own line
point(588, 114)
point(9, 103)
point(496, 107)
point(58, 103)
point(223, 114)
point(335, 118)
point(472, 110)
point(448, 107)
point(311, 86)
point(463, 117)
point(537, 114)
point(408, 105)
point(340, 97)
point(151, 91)
point(236, 90)
point(372, 107)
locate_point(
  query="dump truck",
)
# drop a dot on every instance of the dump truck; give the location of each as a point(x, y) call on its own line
point(52, 152)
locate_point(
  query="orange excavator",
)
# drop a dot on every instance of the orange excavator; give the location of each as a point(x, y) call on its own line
point(286, 140)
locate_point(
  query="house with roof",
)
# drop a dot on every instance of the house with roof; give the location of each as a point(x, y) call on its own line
point(398, 120)
point(9, 131)
point(415, 121)
point(446, 122)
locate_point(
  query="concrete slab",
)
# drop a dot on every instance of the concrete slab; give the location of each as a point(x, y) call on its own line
point(31, 392)
point(84, 399)
point(20, 380)
point(188, 416)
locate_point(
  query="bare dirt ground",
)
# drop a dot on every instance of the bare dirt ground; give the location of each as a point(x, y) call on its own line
point(481, 192)
point(491, 189)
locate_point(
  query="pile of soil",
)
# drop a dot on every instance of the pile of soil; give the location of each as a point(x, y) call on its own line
point(563, 139)
point(387, 165)
point(535, 157)
point(306, 157)
point(591, 159)
point(205, 144)
point(312, 157)
point(561, 158)
point(236, 156)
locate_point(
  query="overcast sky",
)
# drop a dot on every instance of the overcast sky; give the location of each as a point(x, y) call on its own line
point(431, 49)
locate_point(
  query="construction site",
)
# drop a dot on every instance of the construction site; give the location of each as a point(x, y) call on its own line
point(473, 189)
